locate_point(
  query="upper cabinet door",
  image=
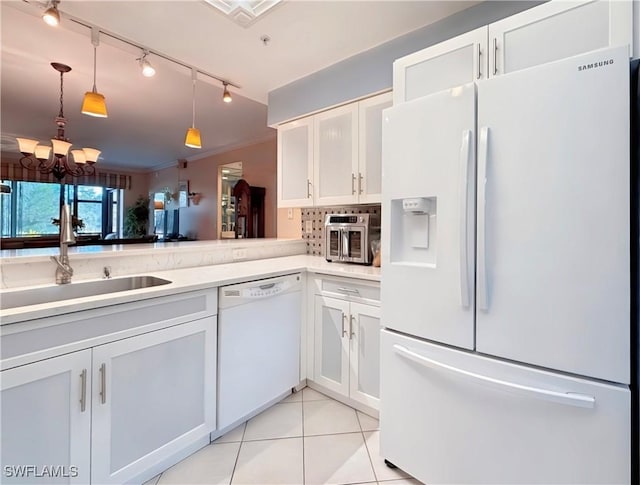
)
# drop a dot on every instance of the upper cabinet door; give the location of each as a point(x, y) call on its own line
point(457, 61)
point(295, 163)
point(336, 156)
point(556, 30)
point(369, 183)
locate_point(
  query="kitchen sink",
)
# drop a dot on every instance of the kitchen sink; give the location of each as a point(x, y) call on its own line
point(35, 296)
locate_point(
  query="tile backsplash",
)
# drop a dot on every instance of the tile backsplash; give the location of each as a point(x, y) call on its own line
point(315, 216)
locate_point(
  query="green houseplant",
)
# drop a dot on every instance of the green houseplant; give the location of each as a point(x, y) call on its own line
point(137, 218)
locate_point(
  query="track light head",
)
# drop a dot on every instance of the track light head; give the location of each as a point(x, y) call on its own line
point(226, 95)
point(146, 67)
point(51, 15)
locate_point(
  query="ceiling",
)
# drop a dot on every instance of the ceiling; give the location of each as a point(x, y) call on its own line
point(148, 117)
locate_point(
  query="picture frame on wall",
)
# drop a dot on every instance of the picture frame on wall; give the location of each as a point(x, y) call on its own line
point(183, 193)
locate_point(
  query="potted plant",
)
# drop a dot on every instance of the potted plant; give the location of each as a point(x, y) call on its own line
point(136, 218)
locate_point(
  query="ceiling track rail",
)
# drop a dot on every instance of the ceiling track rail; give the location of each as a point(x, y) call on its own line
point(131, 43)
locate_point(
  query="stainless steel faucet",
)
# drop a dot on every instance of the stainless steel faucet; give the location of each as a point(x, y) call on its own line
point(64, 271)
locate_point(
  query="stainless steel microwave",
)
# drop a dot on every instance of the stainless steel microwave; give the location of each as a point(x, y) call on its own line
point(348, 237)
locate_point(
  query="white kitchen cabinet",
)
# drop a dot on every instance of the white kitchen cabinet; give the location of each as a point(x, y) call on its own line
point(457, 61)
point(548, 32)
point(46, 420)
point(333, 157)
point(347, 342)
point(369, 183)
point(336, 155)
point(295, 163)
point(152, 395)
point(557, 30)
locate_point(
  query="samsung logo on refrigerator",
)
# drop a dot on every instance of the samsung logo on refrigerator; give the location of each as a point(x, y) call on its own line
point(594, 65)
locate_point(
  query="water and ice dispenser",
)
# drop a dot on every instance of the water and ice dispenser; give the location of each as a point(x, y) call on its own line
point(414, 230)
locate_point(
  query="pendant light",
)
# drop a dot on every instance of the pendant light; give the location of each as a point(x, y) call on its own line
point(94, 103)
point(226, 95)
point(193, 134)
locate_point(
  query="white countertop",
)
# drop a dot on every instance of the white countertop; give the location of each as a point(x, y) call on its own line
point(190, 279)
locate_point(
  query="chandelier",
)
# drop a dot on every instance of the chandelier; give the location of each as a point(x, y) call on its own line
point(39, 157)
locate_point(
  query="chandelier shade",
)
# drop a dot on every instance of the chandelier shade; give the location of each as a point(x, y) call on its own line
point(26, 146)
point(38, 157)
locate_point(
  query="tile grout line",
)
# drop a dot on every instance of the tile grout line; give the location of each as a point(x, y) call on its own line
point(364, 438)
point(235, 464)
point(304, 471)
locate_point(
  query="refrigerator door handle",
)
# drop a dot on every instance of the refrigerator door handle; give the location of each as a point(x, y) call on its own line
point(465, 153)
point(483, 148)
point(568, 398)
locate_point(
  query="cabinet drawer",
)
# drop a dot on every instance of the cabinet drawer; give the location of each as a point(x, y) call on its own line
point(47, 337)
point(350, 289)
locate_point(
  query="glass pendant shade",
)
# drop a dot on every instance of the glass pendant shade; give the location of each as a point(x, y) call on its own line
point(94, 105)
point(26, 145)
point(79, 156)
point(42, 152)
point(193, 138)
point(91, 154)
point(60, 147)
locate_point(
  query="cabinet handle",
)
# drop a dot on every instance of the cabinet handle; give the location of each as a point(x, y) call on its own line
point(495, 56)
point(308, 189)
point(351, 325)
point(83, 390)
point(103, 383)
point(360, 183)
point(353, 184)
point(344, 332)
point(348, 290)
point(479, 63)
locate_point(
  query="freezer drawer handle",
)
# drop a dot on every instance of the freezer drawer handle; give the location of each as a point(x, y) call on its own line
point(568, 398)
point(465, 153)
point(483, 148)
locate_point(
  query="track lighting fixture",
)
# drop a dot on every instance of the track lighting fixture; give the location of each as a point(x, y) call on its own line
point(193, 134)
point(145, 65)
point(226, 96)
point(94, 103)
point(51, 15)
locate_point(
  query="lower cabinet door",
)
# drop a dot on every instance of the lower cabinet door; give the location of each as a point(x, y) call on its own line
point(153, 395)
point(449, 416)
point(46, 421)
point(331, 366)
point(364, 356)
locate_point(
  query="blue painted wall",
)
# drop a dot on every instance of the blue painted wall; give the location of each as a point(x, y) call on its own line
point(372, 71)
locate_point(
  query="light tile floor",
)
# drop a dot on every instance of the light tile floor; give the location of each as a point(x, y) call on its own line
point(306, 439)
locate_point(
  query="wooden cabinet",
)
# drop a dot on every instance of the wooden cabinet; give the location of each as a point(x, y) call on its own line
point(46, 421)
point(548, 32)
point(295, 163)
point(333, 157)
point(451, 63)
point(347, 344)
point(153, 395)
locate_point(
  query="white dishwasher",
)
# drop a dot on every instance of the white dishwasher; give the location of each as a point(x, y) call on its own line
point(258, 345)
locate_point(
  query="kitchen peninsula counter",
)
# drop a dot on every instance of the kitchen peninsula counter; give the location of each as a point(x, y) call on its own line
point(183, 279)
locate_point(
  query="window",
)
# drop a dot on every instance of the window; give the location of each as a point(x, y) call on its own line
point(30, 207)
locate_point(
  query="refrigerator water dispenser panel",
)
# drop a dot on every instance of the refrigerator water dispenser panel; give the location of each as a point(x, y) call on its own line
point(414, 230)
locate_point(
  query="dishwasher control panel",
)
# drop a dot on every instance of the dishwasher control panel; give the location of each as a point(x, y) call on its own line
point(268, 289)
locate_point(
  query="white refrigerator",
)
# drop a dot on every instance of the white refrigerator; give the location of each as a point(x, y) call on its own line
point(505, 350)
